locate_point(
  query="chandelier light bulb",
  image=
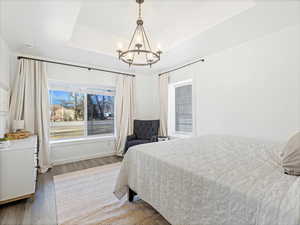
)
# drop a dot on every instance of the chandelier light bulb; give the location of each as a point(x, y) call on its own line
point(150, 56)
point(158, 51)
point(129, 56)
point(138, 39)
point(120, 46)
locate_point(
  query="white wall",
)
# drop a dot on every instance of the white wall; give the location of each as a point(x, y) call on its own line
point(146, 108)
point(78, 75)
point(66, 152)
point(4, 81)
point(4, 63)
point(252, 89)
point(147, 100)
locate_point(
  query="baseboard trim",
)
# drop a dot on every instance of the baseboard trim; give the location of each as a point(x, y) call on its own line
point(76, 159)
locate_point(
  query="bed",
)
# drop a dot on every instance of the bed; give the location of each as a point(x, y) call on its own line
point(212, 180)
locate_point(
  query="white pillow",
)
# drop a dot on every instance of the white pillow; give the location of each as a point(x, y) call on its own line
point(291, 156)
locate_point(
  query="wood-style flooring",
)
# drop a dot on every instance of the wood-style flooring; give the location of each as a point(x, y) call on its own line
point(42, 210)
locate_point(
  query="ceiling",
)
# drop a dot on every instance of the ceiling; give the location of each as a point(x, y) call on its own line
point(101, 25)
point(88, 31)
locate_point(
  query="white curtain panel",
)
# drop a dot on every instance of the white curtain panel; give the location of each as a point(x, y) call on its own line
point(163, 97)
point(124, 111)
point(30, 102)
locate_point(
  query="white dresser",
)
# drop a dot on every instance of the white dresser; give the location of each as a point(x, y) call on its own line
point(18, 170)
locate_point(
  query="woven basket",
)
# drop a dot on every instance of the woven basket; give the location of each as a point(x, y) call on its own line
point(18, 135)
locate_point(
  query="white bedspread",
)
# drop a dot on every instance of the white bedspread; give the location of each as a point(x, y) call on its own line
point(212, 180)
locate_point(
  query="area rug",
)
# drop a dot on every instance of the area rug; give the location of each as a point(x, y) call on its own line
point(86, 197)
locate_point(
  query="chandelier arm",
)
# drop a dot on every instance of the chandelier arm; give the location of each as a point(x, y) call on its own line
point(145, 46)
point(135, 50)
point(143, 35)
point(146, 54)
point(132, 37)
point(140, 64)
point(147, 39)
point(131, 63)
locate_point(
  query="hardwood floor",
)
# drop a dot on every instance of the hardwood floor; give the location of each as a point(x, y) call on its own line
point(42, 210)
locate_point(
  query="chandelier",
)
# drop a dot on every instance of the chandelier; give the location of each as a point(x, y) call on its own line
point(139, 52)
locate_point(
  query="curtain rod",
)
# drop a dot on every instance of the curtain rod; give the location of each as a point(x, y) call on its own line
point(178, 68)
point(77, 66)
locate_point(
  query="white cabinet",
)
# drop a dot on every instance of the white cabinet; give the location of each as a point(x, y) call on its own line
point(3, 109)
point(18, 170)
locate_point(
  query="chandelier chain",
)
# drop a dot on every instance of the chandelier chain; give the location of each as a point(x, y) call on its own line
point(140, 10)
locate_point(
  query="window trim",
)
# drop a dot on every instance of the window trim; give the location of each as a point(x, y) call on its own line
point(86, 139)
point(171, 109)
point(84, 121)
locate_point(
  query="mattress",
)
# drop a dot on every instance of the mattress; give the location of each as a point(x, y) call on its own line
point(213, 180)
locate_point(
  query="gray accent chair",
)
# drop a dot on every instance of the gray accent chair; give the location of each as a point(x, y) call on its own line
point(144, 131)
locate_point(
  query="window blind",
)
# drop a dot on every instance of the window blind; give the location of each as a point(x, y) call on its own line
point(183, 109)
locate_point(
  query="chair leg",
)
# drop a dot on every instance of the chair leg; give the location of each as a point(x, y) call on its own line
point(131, 195)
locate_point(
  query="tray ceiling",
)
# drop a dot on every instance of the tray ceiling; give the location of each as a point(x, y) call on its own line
point(88, 31)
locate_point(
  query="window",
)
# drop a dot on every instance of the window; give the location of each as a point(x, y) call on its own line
point(181, 108)
point(66, 114)
point(80, 112)
point(100, 114)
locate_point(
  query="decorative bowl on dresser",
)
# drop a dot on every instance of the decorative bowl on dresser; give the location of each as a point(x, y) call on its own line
point(18, 170)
